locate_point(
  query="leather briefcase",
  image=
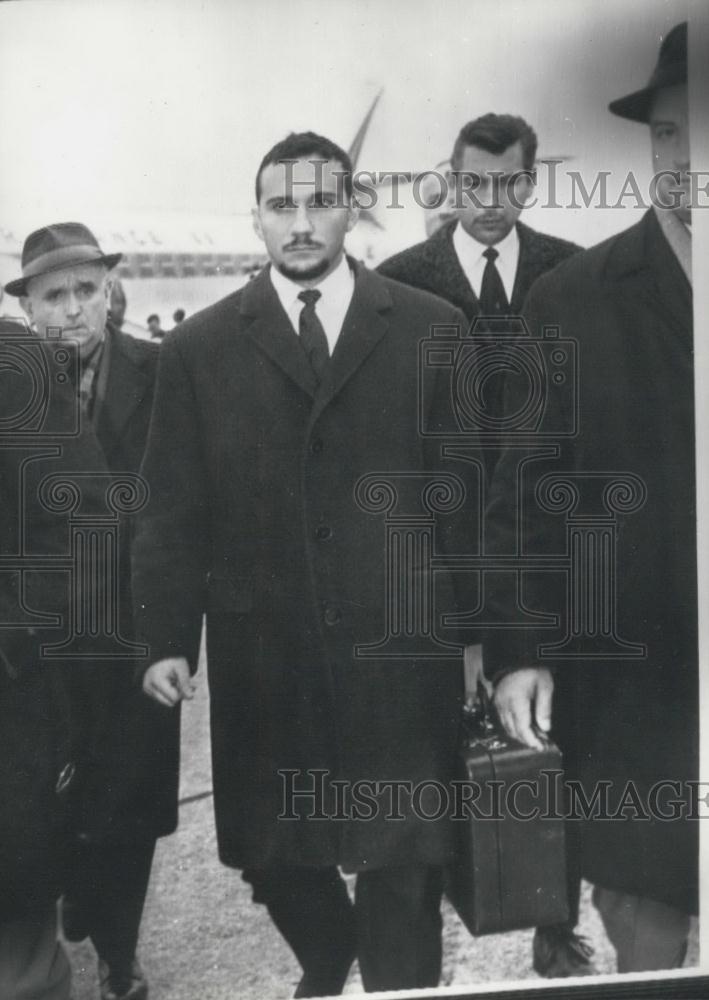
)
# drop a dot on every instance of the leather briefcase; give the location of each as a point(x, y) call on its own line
point(509, 873)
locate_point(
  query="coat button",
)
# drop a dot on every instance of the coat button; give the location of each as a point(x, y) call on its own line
point(323, 532)
point(65, 778)
point(333, 616)
point(316, 446)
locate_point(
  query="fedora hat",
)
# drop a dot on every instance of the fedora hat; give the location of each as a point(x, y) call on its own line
point(52, 248)
point(671, 68)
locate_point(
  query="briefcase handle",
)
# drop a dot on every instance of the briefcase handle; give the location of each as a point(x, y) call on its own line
point(480, 719)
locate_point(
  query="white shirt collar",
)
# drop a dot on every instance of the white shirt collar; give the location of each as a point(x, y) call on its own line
point(336, 292)
point(471, 259)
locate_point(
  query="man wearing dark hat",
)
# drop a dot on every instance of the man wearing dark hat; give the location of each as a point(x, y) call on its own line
point(628, 304)
point(129, 775)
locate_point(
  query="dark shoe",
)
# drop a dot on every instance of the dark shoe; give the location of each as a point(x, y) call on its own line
point(328, 981)
point(313, 986)
point(326, 977)
point(73, 920)
point(558, 953)
point(132, 986)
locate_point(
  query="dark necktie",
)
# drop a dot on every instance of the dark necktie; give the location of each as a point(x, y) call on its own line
point(312, 335)
point(493, 298)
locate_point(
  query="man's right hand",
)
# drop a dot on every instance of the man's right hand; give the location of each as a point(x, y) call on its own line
point(169, 681)
point(523, 703)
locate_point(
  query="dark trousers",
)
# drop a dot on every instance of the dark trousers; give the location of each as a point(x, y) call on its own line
point(566, 709)
point(393, 928)
point(106, 892)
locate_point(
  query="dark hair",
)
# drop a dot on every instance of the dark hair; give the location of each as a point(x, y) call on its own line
point(153, 316)
point(178, 315)
point(496, 133)
point(301, 145)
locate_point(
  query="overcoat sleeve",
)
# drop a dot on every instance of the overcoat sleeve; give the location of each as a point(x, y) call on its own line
point(458, 532)
point(516, 522)
point(171, 547)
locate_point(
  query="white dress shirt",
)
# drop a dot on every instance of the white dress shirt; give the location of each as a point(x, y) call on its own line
point(336, 292)
point(470, 256)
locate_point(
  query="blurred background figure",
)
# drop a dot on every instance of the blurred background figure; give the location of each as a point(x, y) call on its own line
point(156, 331)
point(117, 304)
point(178, 316)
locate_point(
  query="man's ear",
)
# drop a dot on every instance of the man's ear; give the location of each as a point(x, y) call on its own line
point(256, 222)
point(352, 214)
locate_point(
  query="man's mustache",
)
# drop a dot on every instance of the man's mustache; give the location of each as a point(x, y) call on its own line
point(299, 244)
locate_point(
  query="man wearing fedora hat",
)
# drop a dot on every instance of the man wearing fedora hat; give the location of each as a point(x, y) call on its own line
point(128, 791)
point(628, 303)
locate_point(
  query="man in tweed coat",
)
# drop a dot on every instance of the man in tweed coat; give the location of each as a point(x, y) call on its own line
point(451, 262)
point(485, 260)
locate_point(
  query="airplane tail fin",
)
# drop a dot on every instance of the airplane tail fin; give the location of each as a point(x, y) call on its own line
point(358, 141)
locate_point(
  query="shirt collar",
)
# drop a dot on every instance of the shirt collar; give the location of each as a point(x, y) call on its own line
point(471, 251)
point(336, 287)
point(471, 257)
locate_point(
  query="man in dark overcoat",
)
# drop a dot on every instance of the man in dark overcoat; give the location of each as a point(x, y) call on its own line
point(39, 439)
point(271, 407)
point(628, 304)
point(130, 760)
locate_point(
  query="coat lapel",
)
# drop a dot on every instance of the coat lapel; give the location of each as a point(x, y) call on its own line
point(364, 326)
point(126, 384)
point(269, 327)
point(644, 270)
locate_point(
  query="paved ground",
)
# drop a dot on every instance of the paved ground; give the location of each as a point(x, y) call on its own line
point(203, 938)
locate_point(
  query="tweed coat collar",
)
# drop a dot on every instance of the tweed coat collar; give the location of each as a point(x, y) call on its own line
point(448, 279)
point(364, 326)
